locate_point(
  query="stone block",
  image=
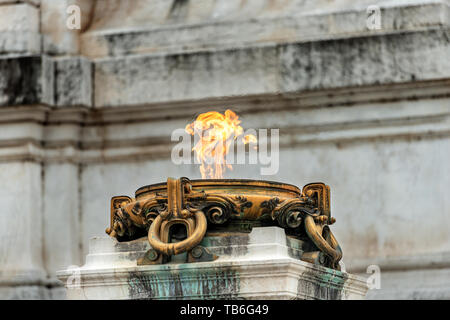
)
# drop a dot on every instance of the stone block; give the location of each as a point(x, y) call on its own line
point(385, 59)
point(20, 80)
point(192, 26)
point(25, 292)
point(19, 29)
point(245, 272)
point(61, 217)
point(280, 69)
point(19, 17)
point(42, 79)
point(143, 79)
point(73, 81)
point(22, 270)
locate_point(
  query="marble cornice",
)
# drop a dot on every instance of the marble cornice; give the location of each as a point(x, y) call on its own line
point(86, 135)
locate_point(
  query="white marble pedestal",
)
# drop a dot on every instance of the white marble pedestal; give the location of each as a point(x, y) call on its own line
point(258, 265)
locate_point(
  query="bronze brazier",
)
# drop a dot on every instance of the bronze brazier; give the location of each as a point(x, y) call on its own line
point(222, 207)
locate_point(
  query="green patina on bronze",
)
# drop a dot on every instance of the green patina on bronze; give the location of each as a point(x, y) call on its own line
point(214, 283)
point(328, 284)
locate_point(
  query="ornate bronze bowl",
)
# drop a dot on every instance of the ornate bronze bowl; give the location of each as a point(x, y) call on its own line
point(214, 207)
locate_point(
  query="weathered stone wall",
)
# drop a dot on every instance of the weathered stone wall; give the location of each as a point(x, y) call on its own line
point(87, 114)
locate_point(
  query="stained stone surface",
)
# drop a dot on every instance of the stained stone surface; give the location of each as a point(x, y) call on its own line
point(160, 26)
point(20, 80)
point(73, 81)
point(281, 69)
point(259, 265)
point(36, 79)
point(19, 28)
point(112, 27)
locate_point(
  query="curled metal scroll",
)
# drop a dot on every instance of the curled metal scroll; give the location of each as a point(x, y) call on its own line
point(307, 216)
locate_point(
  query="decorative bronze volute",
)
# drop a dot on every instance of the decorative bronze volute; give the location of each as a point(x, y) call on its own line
point(200, 206)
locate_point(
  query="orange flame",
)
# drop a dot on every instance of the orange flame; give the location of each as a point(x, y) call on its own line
point(216, 133)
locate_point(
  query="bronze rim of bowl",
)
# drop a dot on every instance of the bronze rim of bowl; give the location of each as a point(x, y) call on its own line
point(243, 184)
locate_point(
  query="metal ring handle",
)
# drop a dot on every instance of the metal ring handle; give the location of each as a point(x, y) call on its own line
point(332, 250)
point(178, 247)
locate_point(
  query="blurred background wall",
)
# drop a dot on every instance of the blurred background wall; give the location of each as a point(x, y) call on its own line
point(87, 114)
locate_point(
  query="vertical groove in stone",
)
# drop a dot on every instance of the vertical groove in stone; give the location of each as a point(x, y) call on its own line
point(80, 215)
point(43, 229)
